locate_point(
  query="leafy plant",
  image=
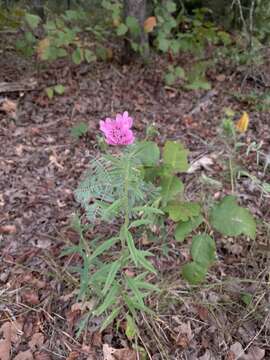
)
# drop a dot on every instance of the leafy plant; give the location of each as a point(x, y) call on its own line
point(137, 189)
point(79, 130)
point(55, 90)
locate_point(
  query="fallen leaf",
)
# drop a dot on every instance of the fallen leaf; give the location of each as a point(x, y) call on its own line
point(36, 342)
point(125, 354)
point(237, 350)
point(206, 356)
point(42, 356)
point(8, 229)
point(31, 297)
point(149, 24)
point(203, 162)
point(24, 355)
point(9, 106)
point(82, 306)
point(42, 47)
point(221, 77)
point(5, 344)
point(255, 353)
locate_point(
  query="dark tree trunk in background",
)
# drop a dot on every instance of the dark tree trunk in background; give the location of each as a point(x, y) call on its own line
point(137, 9)
point(38, 7)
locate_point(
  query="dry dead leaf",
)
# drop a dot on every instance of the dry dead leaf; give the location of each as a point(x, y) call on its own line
point(42, 356)
point(149, 24)
point(42, 47)
point(82, 306)
point(11, 332)
point(255, 353)
point(31, 297)
point(24, 355)
point(8, 229)
point(221, 77)
point(36, 342)
point(110, 353)
point(204, 162)
point(9, 106)
point(237, 350)
point(125, 354)
point(206, 356)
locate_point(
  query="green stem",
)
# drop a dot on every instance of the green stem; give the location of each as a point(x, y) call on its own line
point(231, 173)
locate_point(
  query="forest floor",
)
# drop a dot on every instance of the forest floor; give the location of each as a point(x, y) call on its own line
point(227, 317)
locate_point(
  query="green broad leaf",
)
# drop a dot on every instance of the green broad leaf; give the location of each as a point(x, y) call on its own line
point(163, 44)
point(131, 328)
point(131, 247)
point(170, 6)
point(170, 78)
point(199, 84)
point(182, 211)
point(77, 56)
point(133, 25)
point(194, 273)
point(137, 293)
point(50, 92)
point(170, 187)
point(232, 220)
point(32, 20)
point(106, 245)
point(110, 319)
point(148, 153)
point(141, 257)
point(59, 89)
point(116, 265)
point(89, 55)
point(122, 29)
point(203, 250)
point(179, 72)
point(79, 130)
point(183, 229)
point(175, 156)
point(109, 300)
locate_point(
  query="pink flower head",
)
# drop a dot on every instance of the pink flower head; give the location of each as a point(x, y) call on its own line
point(117, 131)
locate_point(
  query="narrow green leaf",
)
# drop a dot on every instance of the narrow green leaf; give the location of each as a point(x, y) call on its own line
point(140, 222)
point(145, 263)
point(131, 329)
point(116, 265)
point(110, 319)
point(133, 287)
point(103, 247)
point(108, 301)
point(77, 56)
point(132, 248)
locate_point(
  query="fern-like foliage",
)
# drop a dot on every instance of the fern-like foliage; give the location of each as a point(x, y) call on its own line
point(102, 192)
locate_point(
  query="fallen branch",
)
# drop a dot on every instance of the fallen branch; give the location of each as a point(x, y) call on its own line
point(24, 85)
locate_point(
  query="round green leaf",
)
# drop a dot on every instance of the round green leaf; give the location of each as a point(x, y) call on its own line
point(203, 250)
point(194, 273)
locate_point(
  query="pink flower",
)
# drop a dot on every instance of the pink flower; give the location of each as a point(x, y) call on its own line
point(117, 131)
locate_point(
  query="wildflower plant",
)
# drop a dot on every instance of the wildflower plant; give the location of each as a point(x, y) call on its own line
point(133, 189)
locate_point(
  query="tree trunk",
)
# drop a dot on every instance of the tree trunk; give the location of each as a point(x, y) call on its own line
point(137, 9)
point(38, 7)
